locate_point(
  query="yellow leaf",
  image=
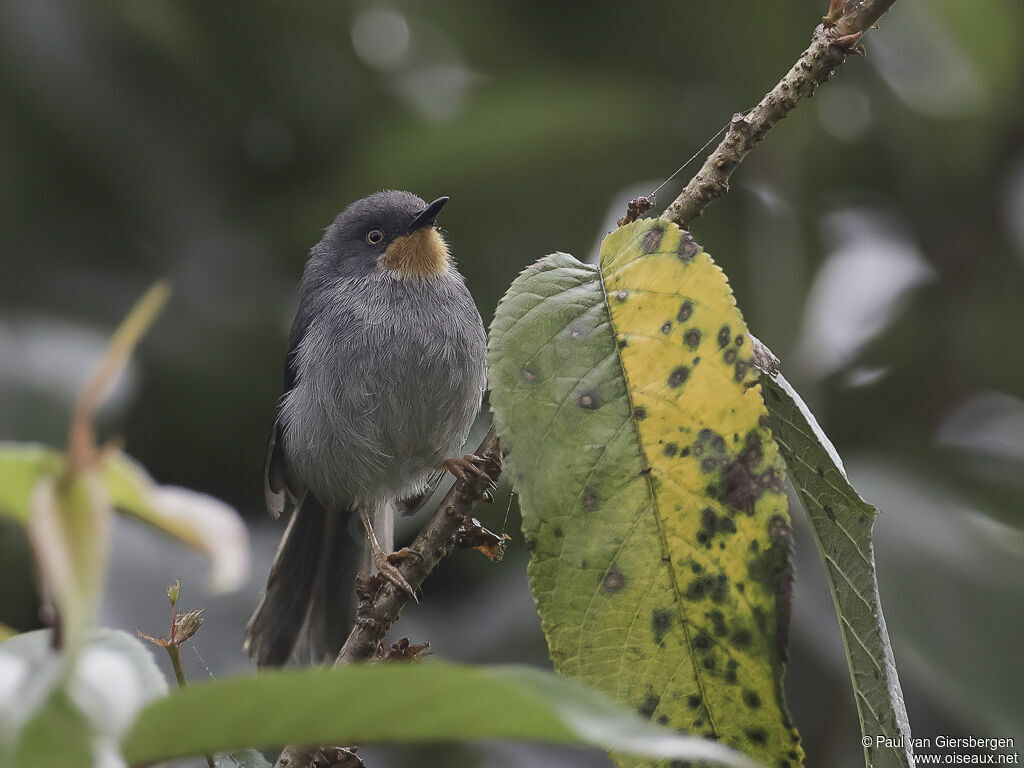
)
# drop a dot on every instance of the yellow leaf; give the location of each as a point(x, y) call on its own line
point(650, 487)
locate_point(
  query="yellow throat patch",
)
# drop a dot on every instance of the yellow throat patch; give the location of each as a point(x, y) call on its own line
point(420, 254)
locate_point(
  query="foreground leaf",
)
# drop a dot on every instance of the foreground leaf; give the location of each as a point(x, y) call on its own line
point(57, 734)
point(200, 521)
point(22, 465)
point(69, 528)
point(841, 522)
point(426, 702)
point(651, 489)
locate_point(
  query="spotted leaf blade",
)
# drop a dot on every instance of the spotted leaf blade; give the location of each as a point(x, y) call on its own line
point(650, 486)
point(842, 521)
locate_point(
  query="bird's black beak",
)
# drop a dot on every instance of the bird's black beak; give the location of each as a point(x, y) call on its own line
point(426, 217)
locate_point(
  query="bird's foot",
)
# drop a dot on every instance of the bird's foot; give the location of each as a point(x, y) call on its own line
point(385, 568)
point(468, 464)
point(390, 573)
point(403, 555)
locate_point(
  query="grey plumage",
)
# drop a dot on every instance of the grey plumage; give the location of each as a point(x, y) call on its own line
point(384, 377)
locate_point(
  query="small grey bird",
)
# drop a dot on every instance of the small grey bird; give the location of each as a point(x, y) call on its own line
point(384, 376)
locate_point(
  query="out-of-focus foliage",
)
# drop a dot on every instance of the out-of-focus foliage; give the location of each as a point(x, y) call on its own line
point(652, 494)
point(114, 701)
point(875, 241)
point(53, 714)
point(65, 501)
point(434, 702)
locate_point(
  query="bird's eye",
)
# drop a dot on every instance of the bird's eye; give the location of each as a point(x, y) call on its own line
point(374, 236)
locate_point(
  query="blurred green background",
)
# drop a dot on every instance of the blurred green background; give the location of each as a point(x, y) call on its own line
point(875, 241)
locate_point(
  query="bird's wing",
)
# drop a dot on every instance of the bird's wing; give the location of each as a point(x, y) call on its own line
point(279, 490)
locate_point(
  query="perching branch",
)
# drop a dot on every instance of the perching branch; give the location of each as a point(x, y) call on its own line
point(381, 602)
point(837, 36)
point(380, 610)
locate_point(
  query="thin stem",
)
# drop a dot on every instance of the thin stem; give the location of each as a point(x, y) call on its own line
point(179, 673)
point(179, 669)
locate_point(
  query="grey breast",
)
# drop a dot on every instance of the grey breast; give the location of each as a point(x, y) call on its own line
point(390, 377)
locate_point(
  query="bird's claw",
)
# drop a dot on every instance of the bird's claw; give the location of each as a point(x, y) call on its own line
point(468, 464)
point(390, 573)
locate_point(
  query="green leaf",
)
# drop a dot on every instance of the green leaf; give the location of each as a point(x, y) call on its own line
point(69, 528)
point(427, 702)
point(200, 521)
point(58, 734)
point(21, 467)
point(650, 487)
point(841, 522)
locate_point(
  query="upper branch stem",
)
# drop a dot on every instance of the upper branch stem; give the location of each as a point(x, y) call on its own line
point(833, 39)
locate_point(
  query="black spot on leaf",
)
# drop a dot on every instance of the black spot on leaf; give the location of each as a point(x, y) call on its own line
point(688, 247)
point(757, 735)
point(589, 401)
point(613, 581)
point(650, 704)
point(741, 637)
point(653, 239)
point(685, 311)
point(660, 622)
point(718, 621)
point(678, 376)
point(723, 336)
point(692, 338)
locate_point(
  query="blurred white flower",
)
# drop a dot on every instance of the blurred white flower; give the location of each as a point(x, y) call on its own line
point(989, 424)
point(858, 291)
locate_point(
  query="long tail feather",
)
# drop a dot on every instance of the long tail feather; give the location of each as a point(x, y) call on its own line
point(332, 608)
point(274, 628)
